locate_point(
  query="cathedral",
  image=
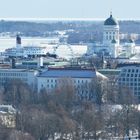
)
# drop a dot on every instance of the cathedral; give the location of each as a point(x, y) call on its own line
point(111, 46)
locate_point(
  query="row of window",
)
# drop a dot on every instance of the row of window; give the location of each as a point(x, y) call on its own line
point(13, 74)
point(35, 49)
point(110, 33)
point(129, 79)
point(130, 75)
point(137, 93)
point(49, 86)
point(35, 52)
point(75, 81)
point(79, 87)
point(6, 79)
point(131, 70)
point(110, 37)
point(131, 84)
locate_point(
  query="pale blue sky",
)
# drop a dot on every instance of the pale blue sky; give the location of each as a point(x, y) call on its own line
point(69, 8)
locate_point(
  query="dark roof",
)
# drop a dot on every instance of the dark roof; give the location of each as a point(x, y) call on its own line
point(69, 73)
point(111, 21)
point(128, 64)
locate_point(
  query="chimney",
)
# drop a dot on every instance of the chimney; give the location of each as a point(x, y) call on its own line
point(40, 63)
point(18, 41)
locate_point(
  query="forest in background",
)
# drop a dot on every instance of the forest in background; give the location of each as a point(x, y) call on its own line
point(77, 31)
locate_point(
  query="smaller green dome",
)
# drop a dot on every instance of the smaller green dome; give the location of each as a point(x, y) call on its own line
point(113, 41)
point(131, 41)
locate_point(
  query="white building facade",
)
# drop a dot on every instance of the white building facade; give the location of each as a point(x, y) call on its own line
point(111, 31)
point(111, 42)
point(27, 76)
point(79, 79)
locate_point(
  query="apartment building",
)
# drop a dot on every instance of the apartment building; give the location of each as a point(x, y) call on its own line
point(79, 78)
point(130, 77)
point(27, 76)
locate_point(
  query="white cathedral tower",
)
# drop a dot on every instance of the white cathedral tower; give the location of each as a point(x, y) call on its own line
point(111, 31)
point(111, 46)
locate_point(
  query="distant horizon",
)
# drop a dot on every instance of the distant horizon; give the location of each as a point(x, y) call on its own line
point(66, 19)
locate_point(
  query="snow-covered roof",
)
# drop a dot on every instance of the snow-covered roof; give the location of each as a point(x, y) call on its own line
point(7, 109)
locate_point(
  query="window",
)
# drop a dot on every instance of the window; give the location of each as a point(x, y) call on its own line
point(135, 79)
point(127, 79)
point(122, 74)
point(131, 79)
point(106, 37)
point(123, 79)
point(131, 84)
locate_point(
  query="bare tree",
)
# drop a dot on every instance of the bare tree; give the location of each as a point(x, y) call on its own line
point(17, 92)
point(18, 135)
point(65, 93)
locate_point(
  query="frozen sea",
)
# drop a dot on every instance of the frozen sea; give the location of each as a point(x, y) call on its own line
point(65, 51)
point(9, 42)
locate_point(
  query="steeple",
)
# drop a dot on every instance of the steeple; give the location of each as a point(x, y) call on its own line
point(111, 20)
point(111, 14)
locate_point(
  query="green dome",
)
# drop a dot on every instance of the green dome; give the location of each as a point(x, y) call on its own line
point(111, 21)
point(113, 41)
point(131, 40)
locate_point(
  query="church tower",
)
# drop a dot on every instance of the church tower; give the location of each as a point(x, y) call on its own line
point(111, 31)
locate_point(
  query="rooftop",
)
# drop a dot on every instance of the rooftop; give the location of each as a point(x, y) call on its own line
point(109, 71)
point(7, 109)
point(137, 64)
point(73, 73)
point(111, 21)
point(16, 70)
